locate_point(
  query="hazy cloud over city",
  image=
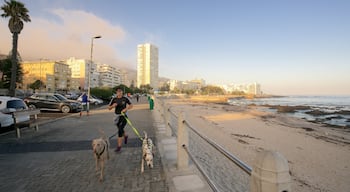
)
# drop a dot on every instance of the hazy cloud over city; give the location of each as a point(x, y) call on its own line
point(64, 34)
point(289, 47)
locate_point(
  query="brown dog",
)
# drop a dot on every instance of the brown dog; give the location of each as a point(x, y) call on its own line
point(100, 148)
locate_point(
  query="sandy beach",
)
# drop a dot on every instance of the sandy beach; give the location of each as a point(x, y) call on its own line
point(318, 156)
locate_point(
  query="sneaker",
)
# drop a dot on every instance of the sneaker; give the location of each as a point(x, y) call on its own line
point(118, 149)
point(126, 139)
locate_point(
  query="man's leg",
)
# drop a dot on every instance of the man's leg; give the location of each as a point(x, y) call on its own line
point(125, 134)
point(120, 134)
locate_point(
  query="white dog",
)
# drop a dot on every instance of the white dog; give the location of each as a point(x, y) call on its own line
point(100, 149)
point(147, 152)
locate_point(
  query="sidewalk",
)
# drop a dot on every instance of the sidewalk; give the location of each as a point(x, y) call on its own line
point(59, 157)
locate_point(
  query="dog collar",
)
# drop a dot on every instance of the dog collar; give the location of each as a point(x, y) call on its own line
point(99, 154)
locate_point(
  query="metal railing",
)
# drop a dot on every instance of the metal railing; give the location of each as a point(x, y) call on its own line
point(174, 120)
point(246, 168)
point(230, 175)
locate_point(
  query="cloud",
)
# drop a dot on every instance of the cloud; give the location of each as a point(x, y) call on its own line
point(66, 33)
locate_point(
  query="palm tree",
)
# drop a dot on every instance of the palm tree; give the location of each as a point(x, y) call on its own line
point(17, 13)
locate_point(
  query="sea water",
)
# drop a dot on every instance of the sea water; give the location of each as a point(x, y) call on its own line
point(337, 108)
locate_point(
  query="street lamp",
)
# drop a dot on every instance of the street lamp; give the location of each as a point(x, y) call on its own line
point(89, 73)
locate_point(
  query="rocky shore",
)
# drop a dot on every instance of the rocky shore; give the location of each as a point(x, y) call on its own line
point(317, 115)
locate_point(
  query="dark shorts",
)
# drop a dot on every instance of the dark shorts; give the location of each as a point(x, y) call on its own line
point(120, 122)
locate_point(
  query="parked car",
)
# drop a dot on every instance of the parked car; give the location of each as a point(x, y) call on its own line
point(93, 100)
point(52, 101)
point(72, 96)
point(8, 105)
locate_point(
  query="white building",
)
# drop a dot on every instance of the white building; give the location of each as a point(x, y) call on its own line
point(254, 88)
point(124, 77)
point(147, 65)
point(248, 88)
point(174, 84)
point(80, 72)
point(109, 76)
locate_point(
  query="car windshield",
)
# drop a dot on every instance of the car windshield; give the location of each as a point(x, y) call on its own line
point(60, 97)
point(16, 104)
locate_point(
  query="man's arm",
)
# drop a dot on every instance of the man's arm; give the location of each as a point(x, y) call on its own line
point(112, 104)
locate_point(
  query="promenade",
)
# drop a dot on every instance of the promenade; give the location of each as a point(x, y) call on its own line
point(59, 156)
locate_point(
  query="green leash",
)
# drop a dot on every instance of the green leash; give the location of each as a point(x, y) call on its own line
point(133, 128)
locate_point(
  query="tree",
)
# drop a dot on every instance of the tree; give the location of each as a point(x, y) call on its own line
point(210, 90)
point(5, 68)
point(165, 87)
point(17, 13)
point(36, 85)
point(146, 88)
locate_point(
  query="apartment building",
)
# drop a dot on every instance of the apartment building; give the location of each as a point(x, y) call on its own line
point(80, 73)
point(55, 75)
point(249, 88)
point(147, 65)
point(109, 76)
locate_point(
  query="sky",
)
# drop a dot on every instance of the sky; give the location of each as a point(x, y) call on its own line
point(289, 47)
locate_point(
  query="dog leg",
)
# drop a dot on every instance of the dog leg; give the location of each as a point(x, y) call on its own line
point(102, 168)
point(142, 165)
point(96, 163)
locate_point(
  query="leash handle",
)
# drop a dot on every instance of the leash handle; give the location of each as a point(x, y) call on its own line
point(133, 128)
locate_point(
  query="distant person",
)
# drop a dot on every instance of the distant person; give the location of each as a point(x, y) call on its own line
point(137, 97)
point(121, 104)
point(84, 102)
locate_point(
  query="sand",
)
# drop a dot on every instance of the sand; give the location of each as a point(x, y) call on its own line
point(318, 156)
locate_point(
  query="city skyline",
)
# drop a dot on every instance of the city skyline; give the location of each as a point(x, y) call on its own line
point(289, 47)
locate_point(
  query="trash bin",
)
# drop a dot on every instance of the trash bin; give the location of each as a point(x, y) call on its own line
point(151, 104)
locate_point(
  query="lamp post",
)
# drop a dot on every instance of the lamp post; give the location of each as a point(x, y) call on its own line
point(89, 73)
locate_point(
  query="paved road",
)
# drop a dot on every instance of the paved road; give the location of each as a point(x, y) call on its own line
point(59, 158)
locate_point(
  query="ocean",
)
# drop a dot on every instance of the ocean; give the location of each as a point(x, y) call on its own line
point(331, 110)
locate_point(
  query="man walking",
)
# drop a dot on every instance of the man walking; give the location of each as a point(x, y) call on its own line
point(85, 103)
point(121, 105)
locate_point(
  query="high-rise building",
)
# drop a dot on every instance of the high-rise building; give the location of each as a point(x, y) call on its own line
point(147, 65)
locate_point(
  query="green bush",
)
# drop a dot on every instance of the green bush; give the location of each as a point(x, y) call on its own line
point(104, 93)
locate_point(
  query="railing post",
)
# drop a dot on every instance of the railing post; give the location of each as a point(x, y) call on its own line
point(36, 123)
point(168, 131)
point(270, 173)
point(18, 133)
point(182, 139)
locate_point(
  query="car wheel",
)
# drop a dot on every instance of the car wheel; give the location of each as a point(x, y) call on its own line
point(65, 109)
point(31, 106)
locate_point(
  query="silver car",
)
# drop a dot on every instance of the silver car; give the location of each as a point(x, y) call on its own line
point(9, 105)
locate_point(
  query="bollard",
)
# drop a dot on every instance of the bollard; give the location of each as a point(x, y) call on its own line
point(182, 139)
point(151, 104)
point(270, 173)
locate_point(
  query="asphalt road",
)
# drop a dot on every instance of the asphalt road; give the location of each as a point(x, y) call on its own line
point(46, 115)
